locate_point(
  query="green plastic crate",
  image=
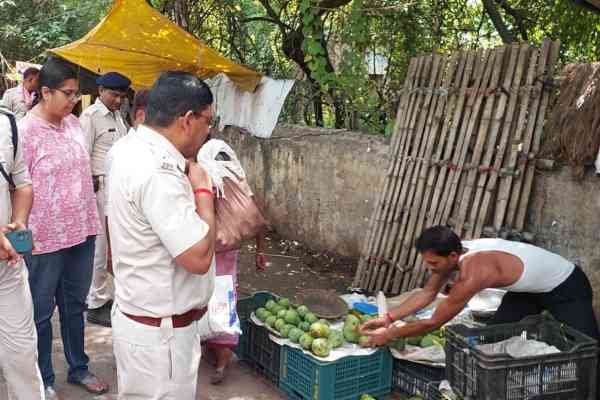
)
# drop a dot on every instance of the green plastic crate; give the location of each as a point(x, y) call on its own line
point(303, 377)
point(245, 307)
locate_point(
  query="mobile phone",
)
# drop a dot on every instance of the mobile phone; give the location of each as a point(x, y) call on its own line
point(21, 241)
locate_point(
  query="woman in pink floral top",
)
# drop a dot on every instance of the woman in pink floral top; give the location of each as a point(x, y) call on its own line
point(64, 221)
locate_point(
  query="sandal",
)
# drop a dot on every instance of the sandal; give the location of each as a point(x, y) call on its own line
point(218, 376)
point(92, 384)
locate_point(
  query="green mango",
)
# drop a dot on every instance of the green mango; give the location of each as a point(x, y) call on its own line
point(310, 318)
point(283, 302)
point(306, 341)
point(320, 347)
point(302, 311)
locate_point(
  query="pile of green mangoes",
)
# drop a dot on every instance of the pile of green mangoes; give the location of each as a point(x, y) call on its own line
point(433, 338)
point(298, 324)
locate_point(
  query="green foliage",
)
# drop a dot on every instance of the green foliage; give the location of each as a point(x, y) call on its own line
point(323, 43)
point(29, 27)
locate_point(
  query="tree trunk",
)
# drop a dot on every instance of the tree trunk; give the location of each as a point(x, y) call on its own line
point(498, 21)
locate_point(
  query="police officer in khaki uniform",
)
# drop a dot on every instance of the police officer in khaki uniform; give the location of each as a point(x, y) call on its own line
point(103, 125)
point(18, 339)
point(162, 229)
point(19, 99)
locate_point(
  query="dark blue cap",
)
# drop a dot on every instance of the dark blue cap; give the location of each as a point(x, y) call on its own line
point(113, 80)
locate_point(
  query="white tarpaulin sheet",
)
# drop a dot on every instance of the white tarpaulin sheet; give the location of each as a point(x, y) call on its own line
point(256, 112)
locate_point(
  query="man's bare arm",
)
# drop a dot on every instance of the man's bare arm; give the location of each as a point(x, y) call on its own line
point(456, 301)
point(421, 299)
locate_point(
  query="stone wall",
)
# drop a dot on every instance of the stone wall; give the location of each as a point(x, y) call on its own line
point(565, 216)
point(319, 186)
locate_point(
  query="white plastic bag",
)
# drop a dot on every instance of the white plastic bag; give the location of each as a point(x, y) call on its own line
point(221, 317)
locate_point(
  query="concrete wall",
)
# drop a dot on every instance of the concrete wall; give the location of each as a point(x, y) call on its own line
point(319, 185)
point(565, 215)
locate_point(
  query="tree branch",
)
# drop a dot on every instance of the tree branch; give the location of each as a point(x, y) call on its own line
point(328, 5)
point(519, 18)
point(264, 19)
point(498, 21)
point(274, 15)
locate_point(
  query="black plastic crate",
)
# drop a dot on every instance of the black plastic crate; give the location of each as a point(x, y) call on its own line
point(411, 378)
point(570, 374)
point(264, 355)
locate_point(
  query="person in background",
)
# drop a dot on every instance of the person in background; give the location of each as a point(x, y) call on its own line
point(103, 125)
point(19, 99)
point(162, 229)
point(18, 342)
point(64, 221)
point(220, 349)
point(137, 117)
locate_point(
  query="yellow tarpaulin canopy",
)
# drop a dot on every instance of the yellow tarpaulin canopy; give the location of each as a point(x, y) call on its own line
point(139, 42)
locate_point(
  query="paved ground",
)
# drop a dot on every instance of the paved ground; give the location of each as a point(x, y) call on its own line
point(291, 268)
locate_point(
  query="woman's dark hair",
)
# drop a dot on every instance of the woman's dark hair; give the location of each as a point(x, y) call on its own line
point(174, 94)
point(52, 75)
point(440, 240)
point(140, 102)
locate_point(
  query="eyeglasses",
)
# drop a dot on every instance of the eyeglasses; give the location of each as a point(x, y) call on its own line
point(71, 96)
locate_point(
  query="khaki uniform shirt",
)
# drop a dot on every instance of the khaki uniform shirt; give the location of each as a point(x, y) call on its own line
point(15, 166)
point(14, 101)
point(102, 128)
point(153, 220)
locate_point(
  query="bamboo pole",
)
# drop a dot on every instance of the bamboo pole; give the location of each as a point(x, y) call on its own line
point(462, 82)
point(482, 135)
point(512, 82)
point(493, 117)
point(459, 159)
point(397, 205)
point(529, 173)
point(540, 65)
point(396, 143)
point(396, 178)
point(424, 157)
point(426, 178)
point(520, 142)
point(463, 79)
point(480, 66)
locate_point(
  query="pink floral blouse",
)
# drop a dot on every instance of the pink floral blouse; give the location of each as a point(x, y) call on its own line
point(64, 211)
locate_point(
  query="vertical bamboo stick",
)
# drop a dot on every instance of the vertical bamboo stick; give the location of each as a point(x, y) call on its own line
point(520, 141)
point(396, 178)
point(397, 139)
point(398, 204)
point(512, 83)
point(528, 181)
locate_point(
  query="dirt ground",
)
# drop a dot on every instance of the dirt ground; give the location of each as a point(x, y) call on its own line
point(291, 268)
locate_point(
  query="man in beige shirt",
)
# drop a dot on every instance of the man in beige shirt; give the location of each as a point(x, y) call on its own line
point(18, 100)
point(103, 125)
point(18, 339)
point(162, 230)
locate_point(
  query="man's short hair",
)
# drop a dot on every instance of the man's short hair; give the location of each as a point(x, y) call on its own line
point(440, 240)
point(140, 101)
point(173, 95)
point(31, 71)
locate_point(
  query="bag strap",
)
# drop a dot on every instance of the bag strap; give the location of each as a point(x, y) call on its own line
point(13, 128)
point(15, 142)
